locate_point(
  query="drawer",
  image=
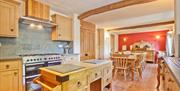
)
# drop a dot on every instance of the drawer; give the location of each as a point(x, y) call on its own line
point(107, 70)
point(8, 65)
point(84, 89)
point(95, 74)
point(107, 80)
point(76, 82)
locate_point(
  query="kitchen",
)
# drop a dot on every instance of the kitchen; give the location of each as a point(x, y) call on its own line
point(45, 46)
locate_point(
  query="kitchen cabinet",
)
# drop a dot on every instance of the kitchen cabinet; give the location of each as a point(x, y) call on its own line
point(63, 30)
point(170, 82)
point(87, 38)
point(9, 15)
point(9, 80)
point(10, 75)
point(93, 77)
point(37, 9)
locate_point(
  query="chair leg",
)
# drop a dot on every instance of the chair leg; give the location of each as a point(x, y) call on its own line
point(115, 72)
point(140, 72)
point(124, 74)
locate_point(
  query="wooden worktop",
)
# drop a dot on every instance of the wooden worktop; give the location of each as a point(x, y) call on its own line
point(82, 64)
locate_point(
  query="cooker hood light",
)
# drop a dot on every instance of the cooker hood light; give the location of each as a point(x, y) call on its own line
point(30, 21)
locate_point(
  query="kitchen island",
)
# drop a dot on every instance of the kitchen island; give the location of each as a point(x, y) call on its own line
point(92, 75)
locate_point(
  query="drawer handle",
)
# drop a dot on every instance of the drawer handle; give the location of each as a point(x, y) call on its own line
point(7, 66)
point(170, 80)
point(15, 73)
point(78, 84)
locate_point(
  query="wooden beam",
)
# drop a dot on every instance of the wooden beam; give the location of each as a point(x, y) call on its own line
point(112, 6)
point(143, 26)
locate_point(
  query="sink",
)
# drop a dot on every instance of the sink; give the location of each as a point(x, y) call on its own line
point(65, 68)
point(94, 61)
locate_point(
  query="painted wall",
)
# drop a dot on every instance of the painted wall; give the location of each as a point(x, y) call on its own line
point(159, 44)
point(31, 41)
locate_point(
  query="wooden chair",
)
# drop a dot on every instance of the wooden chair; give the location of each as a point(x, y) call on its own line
point(138, 64)
point(120, 63)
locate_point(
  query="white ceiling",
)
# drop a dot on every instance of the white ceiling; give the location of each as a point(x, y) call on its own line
point(69, 7)
point(164, 9)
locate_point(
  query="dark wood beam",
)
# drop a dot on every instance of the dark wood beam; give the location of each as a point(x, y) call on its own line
point(143, 26)
point(112, 6)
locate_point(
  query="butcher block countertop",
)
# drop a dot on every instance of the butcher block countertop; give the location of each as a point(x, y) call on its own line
point(82, 66)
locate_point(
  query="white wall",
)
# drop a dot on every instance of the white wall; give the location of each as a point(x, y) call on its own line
point(116, 43)
point(177, 27)
point(107, 45)
point(76, 34)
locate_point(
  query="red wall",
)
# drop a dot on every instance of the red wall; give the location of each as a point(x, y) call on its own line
point(159, 44)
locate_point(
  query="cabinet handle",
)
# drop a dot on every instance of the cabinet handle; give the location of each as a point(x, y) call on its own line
point(96, 74)
point(7, 66)
point(86, 54)
point(107, 80)
point(12, 30)
point(15, 73)
point(59, 34)
point(78, 84)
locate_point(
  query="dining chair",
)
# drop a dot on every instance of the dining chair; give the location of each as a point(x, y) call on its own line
point(120, 63)
point(138, 64)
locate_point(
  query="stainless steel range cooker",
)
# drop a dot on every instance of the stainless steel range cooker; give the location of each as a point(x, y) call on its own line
point(31, 65)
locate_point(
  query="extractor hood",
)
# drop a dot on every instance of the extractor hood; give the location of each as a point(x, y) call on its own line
point(36, 21)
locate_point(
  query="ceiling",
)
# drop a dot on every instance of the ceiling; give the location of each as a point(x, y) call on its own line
point(164, 9)
point(69, 7)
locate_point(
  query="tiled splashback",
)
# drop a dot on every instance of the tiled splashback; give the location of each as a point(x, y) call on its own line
point(31, 41)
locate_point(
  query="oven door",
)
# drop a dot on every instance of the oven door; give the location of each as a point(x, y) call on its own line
point(31, 72)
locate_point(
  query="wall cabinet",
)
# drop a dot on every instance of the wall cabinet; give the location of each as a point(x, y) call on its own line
point(87, 38)
point(9, 18)
point(63, 30)
point(37, 9)
point(10, 75)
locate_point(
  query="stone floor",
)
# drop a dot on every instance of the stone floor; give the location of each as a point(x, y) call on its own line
point(147, 83)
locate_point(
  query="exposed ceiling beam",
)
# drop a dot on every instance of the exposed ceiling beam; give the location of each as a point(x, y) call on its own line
point(112, 6)
point(143, 26)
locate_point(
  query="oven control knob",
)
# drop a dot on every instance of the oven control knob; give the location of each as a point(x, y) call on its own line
point(34, 59)
point(31, 59)
point(28, 60)
point(44, 59)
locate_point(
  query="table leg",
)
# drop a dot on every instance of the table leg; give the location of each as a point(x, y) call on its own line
point(132, 70)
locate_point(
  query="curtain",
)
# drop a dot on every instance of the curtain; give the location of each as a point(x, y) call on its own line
point(169, 45)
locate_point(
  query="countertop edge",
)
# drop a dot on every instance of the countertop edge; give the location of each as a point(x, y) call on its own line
point(10, 58)
point(172, 70)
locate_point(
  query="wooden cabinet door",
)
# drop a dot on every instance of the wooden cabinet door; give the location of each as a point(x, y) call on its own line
point(9, 80)
point(63, 30)
point(8, 19)
point(37, 9)
point(87, 38)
